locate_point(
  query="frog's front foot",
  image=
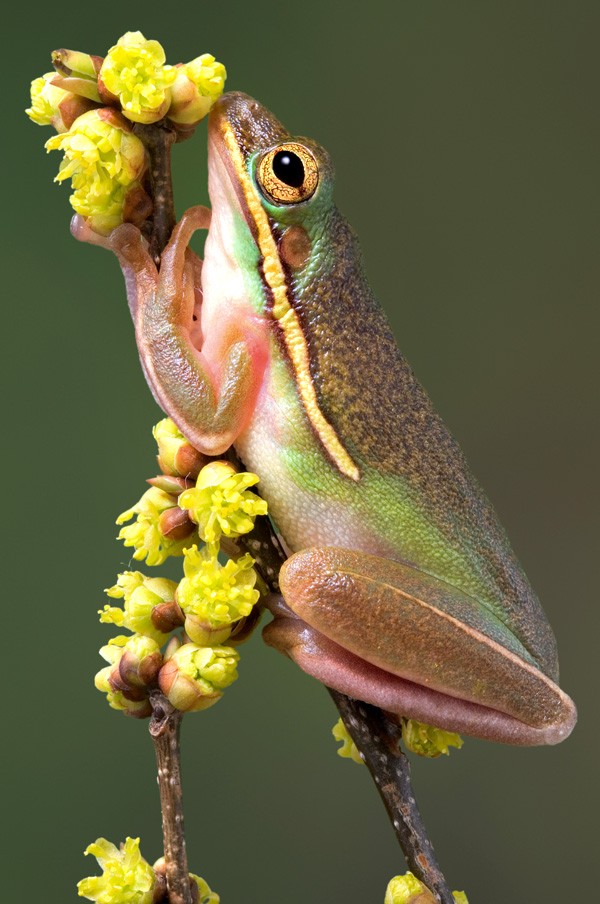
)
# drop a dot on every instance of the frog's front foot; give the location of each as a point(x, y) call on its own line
point(208, 389)
point(393, 636)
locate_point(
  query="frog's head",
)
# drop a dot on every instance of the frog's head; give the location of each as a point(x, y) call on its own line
point(271, 199)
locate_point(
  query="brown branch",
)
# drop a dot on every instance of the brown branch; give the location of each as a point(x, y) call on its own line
point(378, 739)
point(158, 140)
point(164, 729)
point(165, 723)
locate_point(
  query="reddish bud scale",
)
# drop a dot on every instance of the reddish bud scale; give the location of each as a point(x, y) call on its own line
point(116, 682)
point(176, 524)
point(188, 462)
point(139, 673)
point(171, 484)
point(166, 617)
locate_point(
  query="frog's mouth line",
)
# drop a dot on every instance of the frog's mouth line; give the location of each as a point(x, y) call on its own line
point(341, 670)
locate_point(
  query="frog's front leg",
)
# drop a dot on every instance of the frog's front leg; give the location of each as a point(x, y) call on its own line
point(209, 390)
point(388, 634)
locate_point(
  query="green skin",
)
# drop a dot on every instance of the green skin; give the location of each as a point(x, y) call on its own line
point(402, 589)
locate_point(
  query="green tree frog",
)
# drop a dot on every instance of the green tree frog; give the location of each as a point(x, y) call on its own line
point(401, 588)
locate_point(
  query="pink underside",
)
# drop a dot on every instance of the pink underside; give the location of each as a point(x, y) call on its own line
point(347, 673)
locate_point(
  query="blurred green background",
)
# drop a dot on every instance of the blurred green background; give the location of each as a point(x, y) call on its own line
point(465, 136)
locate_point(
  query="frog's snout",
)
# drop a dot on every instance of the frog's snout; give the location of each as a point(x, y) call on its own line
point(252, 126)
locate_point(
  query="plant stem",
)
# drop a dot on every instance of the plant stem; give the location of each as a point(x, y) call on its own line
point(158, 140)
point(165, 725)
point(378, 737)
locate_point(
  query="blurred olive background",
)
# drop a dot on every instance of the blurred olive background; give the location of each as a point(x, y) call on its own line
point(465, 136)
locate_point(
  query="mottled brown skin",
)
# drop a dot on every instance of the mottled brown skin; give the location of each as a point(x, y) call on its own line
point(368, 392)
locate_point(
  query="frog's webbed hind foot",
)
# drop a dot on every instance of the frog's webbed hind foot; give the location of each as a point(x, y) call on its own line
point(388, 634)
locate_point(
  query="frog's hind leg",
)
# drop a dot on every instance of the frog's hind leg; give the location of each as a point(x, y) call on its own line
point(386, 633)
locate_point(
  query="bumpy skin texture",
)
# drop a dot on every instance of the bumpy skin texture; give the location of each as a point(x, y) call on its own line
point(404, 587)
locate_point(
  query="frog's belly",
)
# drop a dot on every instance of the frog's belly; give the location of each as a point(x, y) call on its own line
point(311, 502)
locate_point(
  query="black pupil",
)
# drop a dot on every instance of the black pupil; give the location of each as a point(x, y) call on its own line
point(288, 168)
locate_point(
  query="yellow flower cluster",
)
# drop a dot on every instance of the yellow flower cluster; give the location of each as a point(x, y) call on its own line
point(127, 878)
point(214, 596)
point(45, 100)
point(213, 601)
point(221, 504)
point(134, 71)
point(92, 102)
point(105, 162)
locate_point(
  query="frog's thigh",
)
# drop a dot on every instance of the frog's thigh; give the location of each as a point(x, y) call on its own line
point(391, 635)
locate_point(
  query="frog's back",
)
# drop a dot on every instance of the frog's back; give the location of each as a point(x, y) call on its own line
point(412, 497)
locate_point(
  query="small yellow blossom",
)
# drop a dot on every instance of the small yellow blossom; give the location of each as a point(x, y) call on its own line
point(196, 88)
point(45, 100)
point(404, 889)
point(194, 677)
point(214, 596)
point(134, 71)
point(100, 145)
point(144, 535)
point(105, 161)
point(427, 740)
point(407, 889)
point(348, 749)
point(141, 595)
point(221, 504)
point(126, 879)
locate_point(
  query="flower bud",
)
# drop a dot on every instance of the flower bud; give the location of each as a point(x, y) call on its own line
point(53, 106)
point(139, 709)
point(78, 73)
point(145, 534)
point(194, 677)
point(408, 890)
point(176, 524)
point(77, 64)
point(197, 86)
point(175, 455)
point(141, 595)
point(140, 661)
point(167, 617)
point(127, 878)
point(170, 484)
point(221, 504)
point(134, 72)
point(425, 740)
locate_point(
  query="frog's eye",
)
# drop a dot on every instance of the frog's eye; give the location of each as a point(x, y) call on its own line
point(288, 174)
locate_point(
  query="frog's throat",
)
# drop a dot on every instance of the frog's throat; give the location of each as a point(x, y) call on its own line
point(224, 141)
